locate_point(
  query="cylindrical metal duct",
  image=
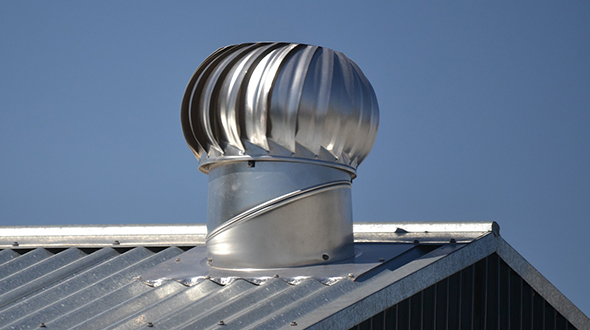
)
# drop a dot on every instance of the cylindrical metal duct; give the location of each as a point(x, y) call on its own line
point(280, 128)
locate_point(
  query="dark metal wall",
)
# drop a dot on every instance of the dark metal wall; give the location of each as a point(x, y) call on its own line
point(485, 295)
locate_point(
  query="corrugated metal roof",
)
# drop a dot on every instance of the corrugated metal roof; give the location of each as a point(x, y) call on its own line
point(68, 283)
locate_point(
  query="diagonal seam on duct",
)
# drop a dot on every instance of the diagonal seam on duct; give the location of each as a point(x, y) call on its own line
point(276, 203)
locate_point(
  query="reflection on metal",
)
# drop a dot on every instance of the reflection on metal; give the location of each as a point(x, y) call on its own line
point(413, 239)
point(279, 100)
point(280, 128)
point(278, 215)
point(192, 268)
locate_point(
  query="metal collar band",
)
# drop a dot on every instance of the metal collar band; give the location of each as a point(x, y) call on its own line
point(278, 214)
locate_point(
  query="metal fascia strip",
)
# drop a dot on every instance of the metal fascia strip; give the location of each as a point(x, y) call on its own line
point(538, 282)
point(386, 291)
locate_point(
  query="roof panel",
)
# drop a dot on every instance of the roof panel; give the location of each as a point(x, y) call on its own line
point(7, 255)
point(41, 274)
point(300, 308)
point(207, 305)
point(86, 284)
point(77, 285)
point(12, 266)
point(121, 312)
point(98, 288)
point(118, 297)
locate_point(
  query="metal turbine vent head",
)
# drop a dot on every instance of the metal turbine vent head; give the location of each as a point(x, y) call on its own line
point(280, 128)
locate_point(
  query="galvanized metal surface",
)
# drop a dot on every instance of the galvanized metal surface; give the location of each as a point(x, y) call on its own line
point(193, 267)
point(61, 282)
point(549, 292)
point(285, 101)
point(97, 236)
point(278, 214)
point(104, 293)
point(98, 288)
point(280, 128)
point(438, 228)
point(24, 237)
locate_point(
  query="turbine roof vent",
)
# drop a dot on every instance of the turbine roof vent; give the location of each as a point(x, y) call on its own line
point(280, 100)
point(280, 129)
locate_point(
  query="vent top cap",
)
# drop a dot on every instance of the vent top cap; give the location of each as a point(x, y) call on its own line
point(279, 101)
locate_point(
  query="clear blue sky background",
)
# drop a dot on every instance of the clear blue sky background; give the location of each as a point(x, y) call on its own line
point(485, 112)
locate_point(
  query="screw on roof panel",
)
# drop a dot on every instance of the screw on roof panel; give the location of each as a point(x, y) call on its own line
point(150, 325)
point(42, 325)
point(14, 243)
point(293, 323)
point(221, 323)
point(116, 243)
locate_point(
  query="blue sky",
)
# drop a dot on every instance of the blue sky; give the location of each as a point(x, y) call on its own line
point(485, 109)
